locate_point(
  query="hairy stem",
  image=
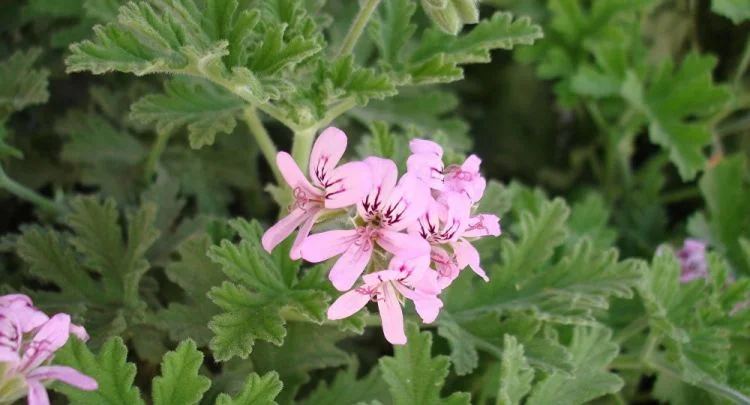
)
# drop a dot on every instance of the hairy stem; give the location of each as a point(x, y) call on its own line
point(25, 193)
point(302, 146)
point(358, 26)
point(157, 149)
point(263, 139)
point(742, 67)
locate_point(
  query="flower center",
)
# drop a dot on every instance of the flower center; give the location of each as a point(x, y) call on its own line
point(303, 200)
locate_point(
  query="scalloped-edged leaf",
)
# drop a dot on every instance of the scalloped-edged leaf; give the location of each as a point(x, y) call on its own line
point(515, 373)
point(21, 85)
point(347, 389)
point(259, 390)
point(735, 10)
point(347, 80)
point(675, 102)
point(414, 376)
point(179, 382)
point(204, 108)
point(109, 368)
point(391, 29)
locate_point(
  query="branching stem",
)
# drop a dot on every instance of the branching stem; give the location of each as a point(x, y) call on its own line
point(25, 193)
point(157, 149)
point(358, 26)
point(263, 139)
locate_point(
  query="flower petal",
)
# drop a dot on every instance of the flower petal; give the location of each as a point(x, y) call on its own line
point(347, 185)
point(293, 175)
point(377, 278)
point(428, 308)
point(466, 254)
point(391, 316)
point(11, 333)
point(326, 153)
point(412, 269)
point(37, 393)
point(304, 231)
point(483, 225)
point(425, 147)
point(50, 337)
point(79, 332)
point(348, 304)
point(325, 245)
point(406, 203)
point(28, 316)
point(384, 174)
point(65, 374)
point(351, 264)
point(405, 245)
point(282, 229)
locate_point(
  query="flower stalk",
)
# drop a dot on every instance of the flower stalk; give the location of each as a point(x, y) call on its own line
point(25, 193)
point(263, 139)
point(358, 26)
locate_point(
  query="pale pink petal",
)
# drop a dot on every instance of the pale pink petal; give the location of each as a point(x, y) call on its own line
point(391, 316)
point(8, 355)
point(325, 245)
point(406, 245)
point(326, 153)
point(67, 375)
point(11, 334)
point(28, 316)
point(304, 231)
point(50, 337)
point(373, 280)
point(455, 215)
point(293, 175)
point(428, 169)
point(467, 255)
point(15, 300)
point(411, 269)
point(37, 393)
point(471, 164)
point(428, 308)
point(282, 229)
point(383, 174)
point(348, 304)
point(407, 202)
point(79, 332)
point(351, 264)
point(425, 147)
point(475, 190)
point(429, 283)
point(347, 185)
point(483, 225)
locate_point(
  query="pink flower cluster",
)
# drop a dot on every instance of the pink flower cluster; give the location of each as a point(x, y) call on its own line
point(409, 236)
point(28, 341)
point(693, 260)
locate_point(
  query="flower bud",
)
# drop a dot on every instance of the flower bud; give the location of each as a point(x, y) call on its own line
point(446, 17)
point(468, 10)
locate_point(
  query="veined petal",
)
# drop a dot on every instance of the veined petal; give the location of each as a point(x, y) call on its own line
point(383, 173)
point(405, 245)
point(483, 225)
point(351, 264)
point(347, 185)
point(11, 334)
point(50, 337)
point(348, 304)
point(304, 232)
point(391, 316)
point(325, 245)
point(326, 153)
point(407, 202)
point(293, 175)
point(426, 147)
point(466, 254)
point(471, 164)
point(37, 393)
point(65, 374)
point(427, 168)
point(282, 229)
point(411, 270)
point(373, 280)
point(28, 316)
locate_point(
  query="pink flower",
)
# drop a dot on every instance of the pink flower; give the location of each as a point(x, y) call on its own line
point(426, 162)
point(693, 260)
point(407, 278)
point(447, 222)
point(386, 210)
point(332, 188)
point(466, 179)
point(24, 359)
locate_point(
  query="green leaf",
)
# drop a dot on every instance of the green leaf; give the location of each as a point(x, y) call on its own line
point(590, 217)
point(592, 350)
point(261, 288)
point(347, 389)
point(515, 373)
point(5, 149)
point(203, 107)
point(257, 391)
point(20, 84)
point(180, 383)
point(675, 102)
point(726, 190)
point(414, 376)
point(109, 368)
point(391, 29)
point(736, 10)
point(347, 80)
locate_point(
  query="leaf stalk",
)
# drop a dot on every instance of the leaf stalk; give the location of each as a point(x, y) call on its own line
point(358, 26)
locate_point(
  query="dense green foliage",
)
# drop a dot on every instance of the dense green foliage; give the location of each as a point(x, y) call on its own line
point(137, 176)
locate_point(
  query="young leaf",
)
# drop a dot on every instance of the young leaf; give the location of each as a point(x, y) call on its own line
point(180, 383)
point(203, 107)
point(257, 391)
point(109, 368)
point(672, 102)
point(260, 288)
point(20, 84)
point(414, 376)
point(515, 374)
point(592, 350)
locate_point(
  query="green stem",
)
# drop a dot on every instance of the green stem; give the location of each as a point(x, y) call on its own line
point(157, 149)
point(744, 63)
point(335, 111)
point(302, 146)
point(682, 194)
point(633, 329)
point(358, 26)
point(263, 139)
point(25, 193)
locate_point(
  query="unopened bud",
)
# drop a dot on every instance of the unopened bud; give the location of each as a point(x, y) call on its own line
point(446, 18)
point(468, 10)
